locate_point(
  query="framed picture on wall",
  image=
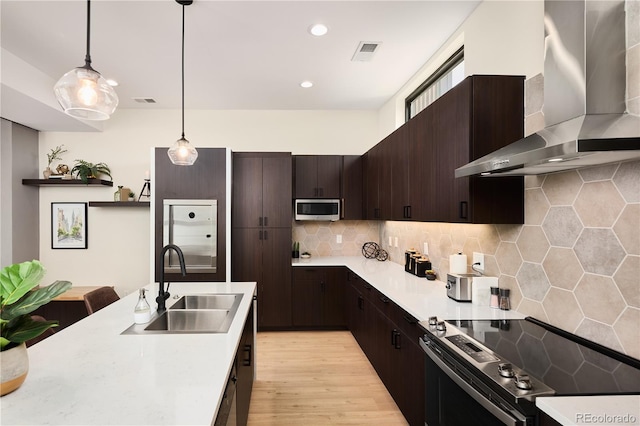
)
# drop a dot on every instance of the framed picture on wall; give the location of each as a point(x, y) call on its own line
point(68, 225)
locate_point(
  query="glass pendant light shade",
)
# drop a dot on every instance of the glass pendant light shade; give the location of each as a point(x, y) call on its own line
point(84, 93)
point(182, 153)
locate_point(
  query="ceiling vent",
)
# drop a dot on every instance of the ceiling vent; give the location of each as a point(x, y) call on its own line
point(145, 100)
point(366, 50)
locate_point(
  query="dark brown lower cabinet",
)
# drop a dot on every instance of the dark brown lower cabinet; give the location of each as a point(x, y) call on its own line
point(244, 369)
point(389, 337)
point(318, 297)
point(263, 255)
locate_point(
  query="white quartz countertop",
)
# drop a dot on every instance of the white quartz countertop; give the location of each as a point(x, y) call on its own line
point(90, 374)
point(592, 410)
point(418, 296)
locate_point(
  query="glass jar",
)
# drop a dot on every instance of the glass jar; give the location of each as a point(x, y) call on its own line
point(494, 300)
point(505, 303)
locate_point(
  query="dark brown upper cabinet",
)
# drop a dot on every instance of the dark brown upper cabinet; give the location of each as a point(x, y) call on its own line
point(409, 175)
point(378, 180)
point(261, 190)
point(352, 203)
point(317, 176)
point(475, 118)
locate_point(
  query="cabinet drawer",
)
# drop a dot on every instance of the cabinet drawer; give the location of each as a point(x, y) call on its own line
point(407, 323)
point(309, 274)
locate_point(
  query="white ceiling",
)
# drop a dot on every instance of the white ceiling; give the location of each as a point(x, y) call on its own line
point(239, 54)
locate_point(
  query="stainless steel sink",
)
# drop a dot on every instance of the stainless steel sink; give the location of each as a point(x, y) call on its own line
point(193, 321)
point(207, 301)
point(193, 314)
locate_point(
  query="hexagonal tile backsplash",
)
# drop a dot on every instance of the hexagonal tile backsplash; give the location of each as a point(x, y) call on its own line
point(574, 263)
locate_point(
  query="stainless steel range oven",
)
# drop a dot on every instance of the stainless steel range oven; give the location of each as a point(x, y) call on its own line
point(487, 372)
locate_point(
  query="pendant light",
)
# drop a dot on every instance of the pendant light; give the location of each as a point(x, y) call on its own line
point(182, 153)
point(83, 92)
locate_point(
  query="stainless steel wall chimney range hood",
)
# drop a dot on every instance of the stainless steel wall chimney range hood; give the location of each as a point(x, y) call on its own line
point(584, 96)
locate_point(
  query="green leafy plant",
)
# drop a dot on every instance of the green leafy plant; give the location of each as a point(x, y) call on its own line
point(55, 154)
point(17, 301)
point(131, 195)
point(85, 170)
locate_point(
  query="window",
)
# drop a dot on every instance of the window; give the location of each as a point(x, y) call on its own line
point(440, 82)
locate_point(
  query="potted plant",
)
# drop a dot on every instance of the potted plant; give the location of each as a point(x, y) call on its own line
point(85, 170)
point(131, 195)
point(51, 157)
point(18, 299)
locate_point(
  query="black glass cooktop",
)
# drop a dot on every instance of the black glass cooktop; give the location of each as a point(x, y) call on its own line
point(565, 362)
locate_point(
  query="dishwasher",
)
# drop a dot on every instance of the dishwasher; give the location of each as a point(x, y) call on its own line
point(227, 411)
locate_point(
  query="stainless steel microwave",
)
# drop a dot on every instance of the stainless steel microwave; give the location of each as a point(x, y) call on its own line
point(317, 209)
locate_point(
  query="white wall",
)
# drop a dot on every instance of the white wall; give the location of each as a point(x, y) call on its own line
point(118, 239)
point(499, 37)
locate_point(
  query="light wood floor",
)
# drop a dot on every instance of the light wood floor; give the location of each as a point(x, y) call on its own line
point(317, 378)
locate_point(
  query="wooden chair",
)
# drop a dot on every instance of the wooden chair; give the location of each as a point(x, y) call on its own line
point(47, 333)
point(99, 298)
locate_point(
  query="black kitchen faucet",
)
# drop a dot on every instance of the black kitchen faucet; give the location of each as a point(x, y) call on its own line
point(162, 294)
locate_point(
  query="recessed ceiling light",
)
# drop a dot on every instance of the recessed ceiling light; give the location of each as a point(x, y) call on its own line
point(306, 84)
point(318, 30)
point(111, 82)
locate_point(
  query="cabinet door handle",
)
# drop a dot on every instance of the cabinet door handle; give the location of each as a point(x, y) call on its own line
point(367, 286)
point(397, 340)
point(260, 221)
point(266, 221)
point(322, 286)
point(376, 213)
point(260, 235)
point(266, 237)
point(361, 303)
point(384, 299)
point(315, 192)
point(408, 216)
point(393, 337)
point(464, 210)
point(247, 361)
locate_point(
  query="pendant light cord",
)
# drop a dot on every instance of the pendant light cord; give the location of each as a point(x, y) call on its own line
point(183, 6)
point(87, 58)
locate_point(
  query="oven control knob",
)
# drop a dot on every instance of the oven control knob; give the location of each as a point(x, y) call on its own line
point(505, 369)
point(433, 321)
point(440, 326)
point(523, 382)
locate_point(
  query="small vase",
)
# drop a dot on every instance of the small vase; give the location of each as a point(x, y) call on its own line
point(14, 366)
point(47, 172)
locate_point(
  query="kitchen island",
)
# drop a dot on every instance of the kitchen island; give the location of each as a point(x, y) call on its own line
point(91, 374)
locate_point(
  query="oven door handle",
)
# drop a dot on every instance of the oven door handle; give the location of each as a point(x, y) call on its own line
point(504, 417)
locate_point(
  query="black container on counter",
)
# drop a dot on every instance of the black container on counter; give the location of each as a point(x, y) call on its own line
point(416, 264)
point(422, 266)
point(407, 259)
